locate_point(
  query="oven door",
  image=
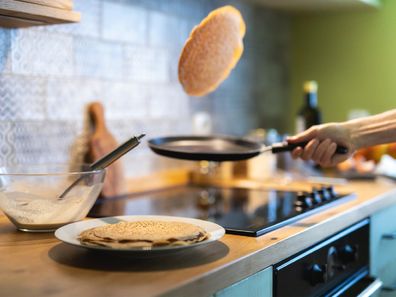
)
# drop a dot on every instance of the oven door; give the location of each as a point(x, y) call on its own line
point(361, 285)
point(337, 266)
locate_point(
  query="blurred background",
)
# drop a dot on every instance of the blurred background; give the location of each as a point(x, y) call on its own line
point(124, 54)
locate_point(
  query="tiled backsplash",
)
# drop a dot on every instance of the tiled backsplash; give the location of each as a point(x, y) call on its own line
point(124, 53)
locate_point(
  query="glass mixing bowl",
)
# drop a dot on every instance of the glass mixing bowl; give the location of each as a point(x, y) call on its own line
point(29, 195)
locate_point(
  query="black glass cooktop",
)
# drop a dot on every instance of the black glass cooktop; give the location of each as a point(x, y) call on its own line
point(240, 211)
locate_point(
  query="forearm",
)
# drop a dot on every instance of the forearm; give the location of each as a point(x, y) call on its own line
point(373, 130)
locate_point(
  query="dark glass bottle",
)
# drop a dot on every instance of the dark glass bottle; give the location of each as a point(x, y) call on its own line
point(309, 114)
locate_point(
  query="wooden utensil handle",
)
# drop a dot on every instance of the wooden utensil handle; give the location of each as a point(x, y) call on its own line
point(96, 112)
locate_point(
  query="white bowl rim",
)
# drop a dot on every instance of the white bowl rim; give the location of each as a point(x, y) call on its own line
point(60, 173)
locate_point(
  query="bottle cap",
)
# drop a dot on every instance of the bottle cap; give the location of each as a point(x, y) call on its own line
point(310, 86)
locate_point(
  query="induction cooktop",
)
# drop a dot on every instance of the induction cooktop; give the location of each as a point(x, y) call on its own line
point(250, 212)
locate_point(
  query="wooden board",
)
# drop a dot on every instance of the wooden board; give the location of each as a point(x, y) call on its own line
point(13, 22)
point(62, 4)
point(36, 12)
point(102, 142)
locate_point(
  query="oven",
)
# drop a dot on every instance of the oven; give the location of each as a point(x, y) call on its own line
point(337, 266)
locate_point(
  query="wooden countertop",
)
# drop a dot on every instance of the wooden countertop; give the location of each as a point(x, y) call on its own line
point(40, 265)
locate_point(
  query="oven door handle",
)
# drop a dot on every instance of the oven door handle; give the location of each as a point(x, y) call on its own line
point(363, 287)
point(374, 287)
point(389, 236)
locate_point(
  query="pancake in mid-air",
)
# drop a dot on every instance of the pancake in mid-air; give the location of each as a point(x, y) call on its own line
point(212, 50)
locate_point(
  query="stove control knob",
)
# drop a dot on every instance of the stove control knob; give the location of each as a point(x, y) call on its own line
point(331, 191)
point(316, 199)
point(348, 254)
point(304, 201)
point(316, 274)
point(324, 193)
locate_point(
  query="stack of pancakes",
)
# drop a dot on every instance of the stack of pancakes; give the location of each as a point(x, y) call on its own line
point(143, 234)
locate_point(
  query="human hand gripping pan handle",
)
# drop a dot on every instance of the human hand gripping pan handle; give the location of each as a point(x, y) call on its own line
point(323, 141)
point(288, 147)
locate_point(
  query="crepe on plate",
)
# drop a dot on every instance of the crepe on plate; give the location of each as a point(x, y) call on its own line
point(211, 51)
point(143, 234)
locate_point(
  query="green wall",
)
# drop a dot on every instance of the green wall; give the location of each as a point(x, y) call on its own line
point(352, 55)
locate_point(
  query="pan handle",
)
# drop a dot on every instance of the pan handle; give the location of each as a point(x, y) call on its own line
point(287, 147)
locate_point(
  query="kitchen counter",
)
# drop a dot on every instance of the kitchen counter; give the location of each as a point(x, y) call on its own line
point(40, 265)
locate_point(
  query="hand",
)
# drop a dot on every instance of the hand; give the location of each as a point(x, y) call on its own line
point(322, 143)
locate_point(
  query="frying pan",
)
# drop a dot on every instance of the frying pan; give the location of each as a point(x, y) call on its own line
point(217, 148)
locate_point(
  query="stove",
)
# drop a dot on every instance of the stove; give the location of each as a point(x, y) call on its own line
point(242, 211)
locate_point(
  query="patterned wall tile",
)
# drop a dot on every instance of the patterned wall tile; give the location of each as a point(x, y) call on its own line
point(266, 20)
point(174, 55)
point(247, 8)
point(244, 74)
point(167, 31)
point(89, 24)
point(95, 58)
point(126, 100)
point(136, 162)
point(91, 17)
point(124, 53)
point(7, 146)
point(142, 161)
point(190, 9)
point(234, 112)
point(61, 28)
point(173, 74)
point(41, 53)
point(124, 23)
point(168, 101)
point(166, 127)
point(5, 50)
point(136, 166)
point(201, 104)
point(124, 129)
point(144, 64)
point(21, 98)
point(67, 98)
point(196, 10)
point(42, 142)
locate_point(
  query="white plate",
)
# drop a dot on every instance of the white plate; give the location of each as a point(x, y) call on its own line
point(69, 233)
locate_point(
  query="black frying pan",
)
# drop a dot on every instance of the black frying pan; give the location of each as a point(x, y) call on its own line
point(217, 148)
